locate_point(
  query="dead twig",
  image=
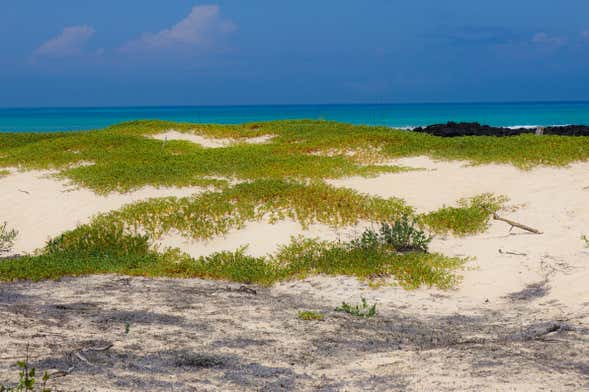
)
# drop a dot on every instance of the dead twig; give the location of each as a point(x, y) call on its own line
point(61, 373)
point(507, 252)
point(516, 224)
point(82, 358)
point(104, 348)
point(23, 191)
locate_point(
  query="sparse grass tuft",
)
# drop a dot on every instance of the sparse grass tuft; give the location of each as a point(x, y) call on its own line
point(7, 238)
point(308, 315)
point(470, 217)
point(360, 310)
point(27, 381)
point(4, 173)
point(586, 239)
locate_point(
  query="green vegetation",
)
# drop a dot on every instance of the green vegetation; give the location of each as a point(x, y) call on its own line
point(4, 173)
point(122, 158)
point(26, 379)
point(361, 310)
point(216, 212)
point(89, 250)
point(403, 236)
point(7, 237)
point(470, 217)
point(308, 315)
point(280, 179)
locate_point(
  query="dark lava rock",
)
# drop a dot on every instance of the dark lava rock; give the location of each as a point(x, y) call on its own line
point(453, 129)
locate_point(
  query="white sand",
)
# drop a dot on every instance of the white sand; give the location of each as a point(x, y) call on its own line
point(41, 207)
point(258, 238)
point(209, 142)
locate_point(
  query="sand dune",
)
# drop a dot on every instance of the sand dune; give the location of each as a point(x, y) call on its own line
point(552, 199)
point(501, 293)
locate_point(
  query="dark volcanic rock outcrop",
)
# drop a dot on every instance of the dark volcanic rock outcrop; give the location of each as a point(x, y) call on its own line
point(453, 129)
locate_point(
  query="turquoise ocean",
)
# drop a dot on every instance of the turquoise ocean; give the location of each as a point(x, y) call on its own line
point(392, 115)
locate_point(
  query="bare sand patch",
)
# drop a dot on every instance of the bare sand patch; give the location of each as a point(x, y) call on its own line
point(210, 142)
point(259, 238)
point(40, 206)
point(195, 335)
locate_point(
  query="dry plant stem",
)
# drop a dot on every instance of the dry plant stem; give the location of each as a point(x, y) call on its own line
point(516, 224)
point(507, 252)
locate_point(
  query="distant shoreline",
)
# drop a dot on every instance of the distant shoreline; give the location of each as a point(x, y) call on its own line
point(403, 116)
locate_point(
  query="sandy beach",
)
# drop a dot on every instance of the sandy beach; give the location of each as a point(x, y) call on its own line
point(426, 339)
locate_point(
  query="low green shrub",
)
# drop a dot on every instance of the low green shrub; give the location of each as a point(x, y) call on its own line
point(470, 217)
point(308, 315)
point(102, 238)
point(301, 258)
point(214, 213)
point(27, 381)
point(7, 238)
point(403, 235)
point(360, 310)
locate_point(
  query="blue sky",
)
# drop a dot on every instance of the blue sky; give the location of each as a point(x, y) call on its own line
point(142, 52)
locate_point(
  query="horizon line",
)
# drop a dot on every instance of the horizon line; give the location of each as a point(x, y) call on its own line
point(296, 104)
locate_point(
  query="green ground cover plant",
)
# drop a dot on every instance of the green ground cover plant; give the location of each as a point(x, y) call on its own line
point(121, 158)
point(98, 252)
point(4, 173)
point(363, 309)
point(309, 315)
point(214, 213)
point(7, 238)
point(27, 381)
point(471, 216)
point(403, 235)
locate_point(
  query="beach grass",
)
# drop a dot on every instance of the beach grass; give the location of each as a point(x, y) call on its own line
point(124, 157)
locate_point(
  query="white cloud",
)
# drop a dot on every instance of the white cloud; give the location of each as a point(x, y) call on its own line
point(198, 29)
point(70, 42)
point(548, 40)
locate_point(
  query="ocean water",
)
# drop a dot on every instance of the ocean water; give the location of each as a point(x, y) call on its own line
point(393, 115)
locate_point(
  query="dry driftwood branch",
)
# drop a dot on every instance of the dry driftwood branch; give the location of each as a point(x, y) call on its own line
point(507, 252)
point(516, 224)
point(61, 373)
point(82, 358)
point(103, 348)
